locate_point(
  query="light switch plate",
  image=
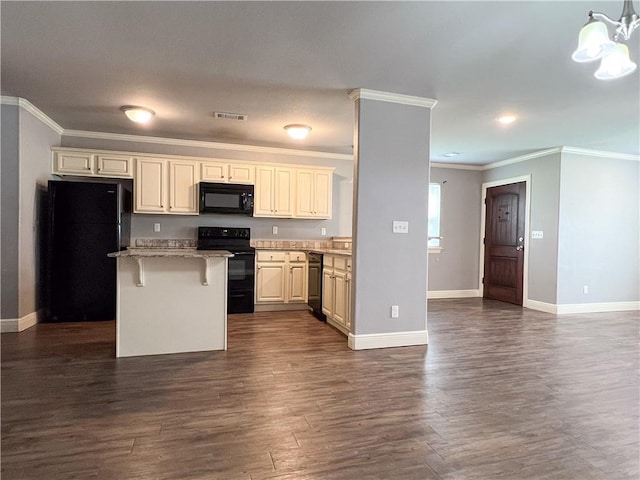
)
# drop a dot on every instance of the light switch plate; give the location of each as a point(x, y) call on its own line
point(537, 234)
point(400, 227)
point(395, 311)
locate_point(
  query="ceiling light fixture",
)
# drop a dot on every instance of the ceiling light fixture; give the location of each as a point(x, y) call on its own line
point(297, 131)
point(138, 114)
point(507, 119)
point(594, 43)
point(451, 154)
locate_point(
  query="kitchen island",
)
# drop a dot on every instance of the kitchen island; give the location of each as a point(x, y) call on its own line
point(171, 301)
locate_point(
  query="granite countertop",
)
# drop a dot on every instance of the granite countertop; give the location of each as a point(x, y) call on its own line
point(170, 252)
point(330, 251)
point(325, 251)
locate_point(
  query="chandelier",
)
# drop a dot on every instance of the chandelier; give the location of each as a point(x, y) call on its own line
point(594, 43)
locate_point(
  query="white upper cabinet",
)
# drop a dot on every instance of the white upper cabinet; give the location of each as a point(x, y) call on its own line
point(273, 192)
point(90, 164)
point(169, 183)
point(166, 186)
point(150, 188)
point(313, 193)
point(114, 166)
point(183, 187)
point(222, 172)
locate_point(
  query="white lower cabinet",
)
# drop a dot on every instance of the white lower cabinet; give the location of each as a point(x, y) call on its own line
point(281, 277)
point(336, 291)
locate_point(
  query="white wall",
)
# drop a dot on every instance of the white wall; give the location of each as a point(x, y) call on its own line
point(9, 194)
point(456, 266)
point(599, 239)
point(36, 140)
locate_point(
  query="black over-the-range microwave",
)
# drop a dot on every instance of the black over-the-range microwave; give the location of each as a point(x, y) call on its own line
point(226, 198)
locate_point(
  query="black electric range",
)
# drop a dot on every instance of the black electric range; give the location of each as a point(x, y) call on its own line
point(241, 268)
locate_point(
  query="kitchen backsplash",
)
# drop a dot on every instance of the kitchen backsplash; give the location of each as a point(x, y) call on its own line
point(337, 243)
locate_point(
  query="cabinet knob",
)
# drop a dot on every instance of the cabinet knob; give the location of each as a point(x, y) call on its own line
point(230, 177)
point(221, 176)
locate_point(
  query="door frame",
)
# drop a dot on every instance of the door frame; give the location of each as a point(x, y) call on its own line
point(483, 214)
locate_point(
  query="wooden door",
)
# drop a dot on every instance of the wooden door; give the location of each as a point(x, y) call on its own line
point(504, 242)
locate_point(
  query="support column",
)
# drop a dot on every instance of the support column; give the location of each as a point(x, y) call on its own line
point(391, 183)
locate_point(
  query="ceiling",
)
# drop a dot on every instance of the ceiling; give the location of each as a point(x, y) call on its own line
point(296, 62)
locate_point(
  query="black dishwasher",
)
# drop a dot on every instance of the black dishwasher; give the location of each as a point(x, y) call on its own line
point(315, 285)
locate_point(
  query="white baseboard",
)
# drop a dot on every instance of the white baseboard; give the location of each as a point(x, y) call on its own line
point(385, 340)
point(8, 325)
point(597, 307)
point(540, 306)
point(279, 307)
point(564, 309)
point(453, 293)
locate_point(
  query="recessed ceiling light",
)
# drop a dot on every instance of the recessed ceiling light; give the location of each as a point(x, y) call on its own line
point(507, 119)
point(138, 114)
point(451, 154)
point(297, 131)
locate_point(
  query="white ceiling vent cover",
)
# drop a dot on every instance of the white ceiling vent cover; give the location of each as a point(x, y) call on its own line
point(230, 116)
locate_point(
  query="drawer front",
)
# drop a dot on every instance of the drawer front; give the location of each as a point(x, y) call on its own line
point(271, 256)
point(297, 257)
point(340, 263)
point(327, 260)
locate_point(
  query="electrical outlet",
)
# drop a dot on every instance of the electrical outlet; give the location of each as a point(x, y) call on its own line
point(274, 230)
point(395, 311)
point(156, 227)
point(585, 289)
point(400, 227)
point(323, 231)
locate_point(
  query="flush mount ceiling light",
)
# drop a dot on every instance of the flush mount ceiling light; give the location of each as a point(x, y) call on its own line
point(451, 154)
point(594, 43)
point(297, 131)
point(138, 114)
point(507, 119)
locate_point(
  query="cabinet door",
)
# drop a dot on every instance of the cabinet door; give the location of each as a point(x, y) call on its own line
point(114, 166)
point(340, 296)
point(297, 282)
point(304, 193)
point(327, 291)
point(282, 201)
point(72, 163)
point(263, 195)
point(213, 172)
point(183, 180)
point(322, 190)
point(270, 282)
point(150, 185)
point(245, 174)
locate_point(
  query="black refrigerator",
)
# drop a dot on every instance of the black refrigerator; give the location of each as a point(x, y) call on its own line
point(86, 221)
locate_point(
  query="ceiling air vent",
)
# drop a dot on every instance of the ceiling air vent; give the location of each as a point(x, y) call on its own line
point(230, 116)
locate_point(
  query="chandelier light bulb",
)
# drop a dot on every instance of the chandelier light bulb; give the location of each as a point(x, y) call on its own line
point(615, 65)
point(138, 114)
point(297, 131)
point(593, 42)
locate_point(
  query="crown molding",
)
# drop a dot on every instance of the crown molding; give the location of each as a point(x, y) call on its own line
point(522, 158)
point(601, 154)
point(33, 110)
point(203, 144)
point(457, 166)
point(392, 98)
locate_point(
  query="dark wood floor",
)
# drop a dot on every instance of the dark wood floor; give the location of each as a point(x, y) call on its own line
point(500, 392)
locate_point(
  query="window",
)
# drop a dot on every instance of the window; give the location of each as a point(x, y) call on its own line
point(434, 215)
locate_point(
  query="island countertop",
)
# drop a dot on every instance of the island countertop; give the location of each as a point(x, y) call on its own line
point(170, 252)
